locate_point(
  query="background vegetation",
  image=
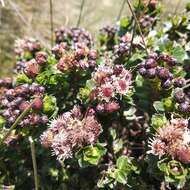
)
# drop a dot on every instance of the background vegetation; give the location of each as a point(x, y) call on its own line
point(20, 18)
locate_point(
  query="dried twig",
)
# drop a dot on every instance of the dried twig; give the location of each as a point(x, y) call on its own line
point(32, 147)
point(80, 14)
point(51, 20)
point(138, 25)
point(121, 10)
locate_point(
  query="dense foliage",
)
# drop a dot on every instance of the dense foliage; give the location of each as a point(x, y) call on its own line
point(107, 115)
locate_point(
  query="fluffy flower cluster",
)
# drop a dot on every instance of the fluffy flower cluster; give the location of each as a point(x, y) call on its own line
point(81, 58)
point(73, 36)
point(26, 45)
point(172, 140)
point(71, 131)
point(110, 81)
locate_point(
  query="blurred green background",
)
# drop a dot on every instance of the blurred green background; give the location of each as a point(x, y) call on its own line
point(20, 18)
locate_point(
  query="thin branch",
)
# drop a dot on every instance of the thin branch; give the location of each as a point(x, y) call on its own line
point(51, 20)
point(138, 25)
point(121, 10)
point(80, 14)
point(21, 116)
point(33, 153)
point(132, 38)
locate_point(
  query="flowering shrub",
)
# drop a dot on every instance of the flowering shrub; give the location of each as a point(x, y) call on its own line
point(110, 115)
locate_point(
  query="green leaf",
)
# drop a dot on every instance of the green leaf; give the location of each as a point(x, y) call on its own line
point(90, 155)
point(158, 120)
point(179, 53)
point(117, 145)
point(124, 22)
point(2, 121)
point(120, 176)
point(22, 79)
point(51, 60)
point(49, 104)
point(158, 106)
point(123, 163)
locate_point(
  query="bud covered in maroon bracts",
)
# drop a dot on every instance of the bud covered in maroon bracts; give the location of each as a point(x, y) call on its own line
point(91, 112)
point(112, 107)
point(163, 73)
point(24, 105)
point(183, 155)
point(61, 65)
point(37, 104)
point(100, 108)
point(21, 90)
point(32, 68)
point(80, 53)
point(117, 69)
point(92, 54)
point(41, 58)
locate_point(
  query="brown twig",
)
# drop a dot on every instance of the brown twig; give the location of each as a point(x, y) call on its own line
point(121, 10)
point(138, 25)
point(51, 20)
point(33, 153)
point(80, 14)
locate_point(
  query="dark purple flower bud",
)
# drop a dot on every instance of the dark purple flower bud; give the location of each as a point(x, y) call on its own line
point(100, 108)
point(151, 73)
point(150, 63)
point(184, 107)
point(142, 71)
point(117, 69)
point(11, 119)
point(167, 84)
point(179, 82)
point(179, 96)
point(7, 114)
point(163, 73)
point(18, 100)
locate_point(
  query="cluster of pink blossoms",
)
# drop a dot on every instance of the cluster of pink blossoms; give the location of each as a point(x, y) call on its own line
point(173, 140)
point(26, 45)
point(71, 131)
point(110, 83)
point(81, 58)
